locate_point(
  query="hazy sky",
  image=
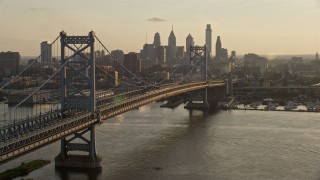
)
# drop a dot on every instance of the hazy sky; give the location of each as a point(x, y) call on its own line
point(260, 26)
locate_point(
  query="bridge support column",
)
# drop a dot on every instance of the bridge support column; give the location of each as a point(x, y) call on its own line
point(198, 101)
point(90, 160)
point(198, 65)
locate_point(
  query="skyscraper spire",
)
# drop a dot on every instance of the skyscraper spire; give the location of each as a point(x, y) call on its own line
point(156, 40)
point(218, 48)
point(172, 48)
point(189, 42)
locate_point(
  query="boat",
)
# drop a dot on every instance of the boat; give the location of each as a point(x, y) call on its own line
point(270, 107)
point(290, 106)
point(310, 106)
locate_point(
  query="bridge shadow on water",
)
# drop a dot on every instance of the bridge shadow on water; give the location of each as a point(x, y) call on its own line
point(71, 173)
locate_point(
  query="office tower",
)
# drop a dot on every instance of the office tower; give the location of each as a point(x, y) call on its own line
point(209, 40)
point(180, 52)
point(132, 62)
point(119, 55)
point(218, 49)
point(255, 64)
point(233, 56)
point(189, 42)
point(162, 56)
point(224, 53)
point(9, 63)
point(148, 55)
point(46, 52)
point(172, 48)
point(156, 40)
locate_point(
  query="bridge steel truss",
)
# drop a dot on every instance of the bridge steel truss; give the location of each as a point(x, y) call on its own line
point(26, 136)
point(198, 69)
point(78, 91)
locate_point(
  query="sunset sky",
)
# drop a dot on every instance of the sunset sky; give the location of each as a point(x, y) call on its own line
point(260, 26)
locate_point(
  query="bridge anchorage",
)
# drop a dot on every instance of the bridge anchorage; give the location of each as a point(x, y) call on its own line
point(78, 78)
point(198, 72)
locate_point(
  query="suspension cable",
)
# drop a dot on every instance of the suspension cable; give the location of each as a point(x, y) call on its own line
point(29, 65)
point(117, 60)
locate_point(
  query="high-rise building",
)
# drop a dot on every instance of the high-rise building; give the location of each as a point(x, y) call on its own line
point(132, 62)
point(255, 64)
point(218, 49)
point(46, 52)
point(224, 53)
point(148, 55)
point(209, 40)
point(189, 42)
point(156, 40)
point(162, 56)
point(317, 56)
point(180, 52)
point(119, 55)
point(172, 48)
point(233, 56)
point(9, 63)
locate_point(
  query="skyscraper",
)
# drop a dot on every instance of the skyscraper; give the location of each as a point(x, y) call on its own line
point(172, 48)
point(224, 53)
point(218, 49)
point(46, 52)
point(209, 40)
point(189, 42)
point(156, 41)
point(317, 56)
point(132, 62)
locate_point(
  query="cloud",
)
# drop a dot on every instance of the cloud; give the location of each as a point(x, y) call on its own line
point(156, 19)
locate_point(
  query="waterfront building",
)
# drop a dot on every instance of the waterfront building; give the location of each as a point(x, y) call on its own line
point(9, 63)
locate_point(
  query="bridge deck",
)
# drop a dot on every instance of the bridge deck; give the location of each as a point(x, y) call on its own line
point(25, 136)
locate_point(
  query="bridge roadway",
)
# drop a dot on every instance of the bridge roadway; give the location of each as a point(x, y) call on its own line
point(28, 135)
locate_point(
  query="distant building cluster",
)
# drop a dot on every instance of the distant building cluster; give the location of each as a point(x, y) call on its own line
point(255, 64)
point(157, 59)
point(157, 54)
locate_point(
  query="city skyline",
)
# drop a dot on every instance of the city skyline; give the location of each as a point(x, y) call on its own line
point(267, 27)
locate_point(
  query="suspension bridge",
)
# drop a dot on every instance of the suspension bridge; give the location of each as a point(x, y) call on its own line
point(82, 106)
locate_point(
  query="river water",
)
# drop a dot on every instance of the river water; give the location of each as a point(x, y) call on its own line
point(194, 146)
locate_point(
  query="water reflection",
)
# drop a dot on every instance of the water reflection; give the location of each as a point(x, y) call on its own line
point(78, 173)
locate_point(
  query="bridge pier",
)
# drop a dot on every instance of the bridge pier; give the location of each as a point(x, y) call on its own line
point(215, 95)
point(199, 101)
point(91, 160)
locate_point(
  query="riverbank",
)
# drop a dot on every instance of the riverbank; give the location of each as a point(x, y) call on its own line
point(251, 109)
point(23, 169)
